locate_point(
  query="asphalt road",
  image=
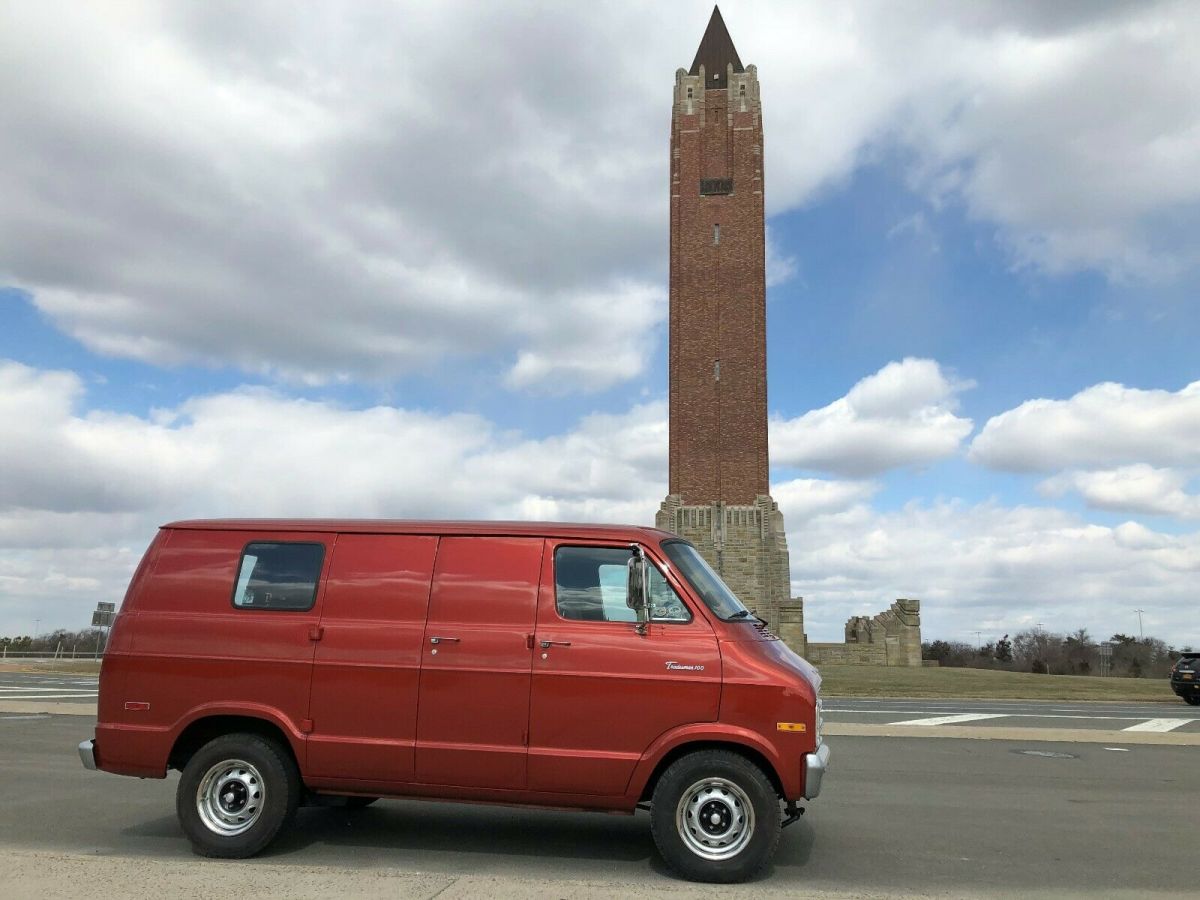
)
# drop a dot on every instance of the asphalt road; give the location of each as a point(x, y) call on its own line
point(31, 686)
point(1135, 718)
point(32, 692)
point(898, 816)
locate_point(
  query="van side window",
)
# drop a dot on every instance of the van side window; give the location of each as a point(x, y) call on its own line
point(278, 576)
point(591, 584)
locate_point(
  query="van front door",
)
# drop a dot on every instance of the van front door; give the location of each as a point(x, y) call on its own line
point(602, 692)
point(473, 711)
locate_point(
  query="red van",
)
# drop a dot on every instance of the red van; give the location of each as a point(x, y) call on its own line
point(572, 666)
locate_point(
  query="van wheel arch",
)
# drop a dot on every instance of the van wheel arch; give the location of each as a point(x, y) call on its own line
point(682, 750)
point(203, 730)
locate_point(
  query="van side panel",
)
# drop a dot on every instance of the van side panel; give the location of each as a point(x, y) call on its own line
point(113, 753)
point(368, 661)
point(192, 649)
point(474, 701)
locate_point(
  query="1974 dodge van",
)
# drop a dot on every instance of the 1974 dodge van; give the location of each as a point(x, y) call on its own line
point(569, 666)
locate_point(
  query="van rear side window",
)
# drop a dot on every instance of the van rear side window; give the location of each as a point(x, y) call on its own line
point(278, 576)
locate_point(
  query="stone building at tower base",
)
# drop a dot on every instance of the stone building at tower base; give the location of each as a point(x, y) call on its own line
point(747, 546)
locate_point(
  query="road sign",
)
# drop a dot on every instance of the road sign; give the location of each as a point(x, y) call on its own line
point(106, 607)
point(103, 618)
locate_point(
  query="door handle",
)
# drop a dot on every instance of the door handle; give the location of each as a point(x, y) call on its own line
point(546, 645)
point(444, 640)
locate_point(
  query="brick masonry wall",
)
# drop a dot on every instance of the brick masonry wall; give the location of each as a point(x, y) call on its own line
point(847, 654)
point(718, 373)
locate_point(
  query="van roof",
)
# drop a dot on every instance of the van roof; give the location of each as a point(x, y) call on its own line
point(427, 526)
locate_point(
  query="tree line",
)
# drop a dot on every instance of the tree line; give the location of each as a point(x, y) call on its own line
point(86, 640)
point(1047, 653)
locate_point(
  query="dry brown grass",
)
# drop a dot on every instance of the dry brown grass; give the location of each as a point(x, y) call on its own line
point(53, 666)
point(878, 681)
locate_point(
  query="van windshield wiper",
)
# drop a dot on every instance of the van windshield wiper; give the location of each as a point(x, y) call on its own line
point(740, 614)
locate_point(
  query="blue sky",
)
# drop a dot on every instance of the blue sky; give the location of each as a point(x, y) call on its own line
point(251, 265)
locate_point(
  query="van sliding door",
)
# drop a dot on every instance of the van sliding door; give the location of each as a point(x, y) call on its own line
point(364, 688)
point(473, 714)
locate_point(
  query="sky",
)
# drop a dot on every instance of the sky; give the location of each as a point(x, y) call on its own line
point(410, 260)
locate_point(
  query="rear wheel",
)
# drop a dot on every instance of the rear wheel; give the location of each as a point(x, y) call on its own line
point(715, 817)
point(235, 795)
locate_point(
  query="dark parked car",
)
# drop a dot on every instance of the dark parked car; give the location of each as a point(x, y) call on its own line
point(1185, 677)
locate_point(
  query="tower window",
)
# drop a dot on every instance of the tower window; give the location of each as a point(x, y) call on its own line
point(742, 90)
point(716, 235)
point(689, 94)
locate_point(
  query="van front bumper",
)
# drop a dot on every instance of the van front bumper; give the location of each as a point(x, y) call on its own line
point(87, 753)
point(815, 765)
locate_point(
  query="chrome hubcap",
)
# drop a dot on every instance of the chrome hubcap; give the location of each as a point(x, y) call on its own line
point(715, 819)
point(230, 797)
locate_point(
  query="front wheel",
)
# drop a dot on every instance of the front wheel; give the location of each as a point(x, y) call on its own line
point(235, 795)
point(1192, 699)
point(715, 817)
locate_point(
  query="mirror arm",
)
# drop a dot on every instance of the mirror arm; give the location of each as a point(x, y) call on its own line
point(643, 600)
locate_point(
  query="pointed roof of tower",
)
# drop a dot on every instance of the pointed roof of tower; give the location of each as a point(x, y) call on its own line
point(716, 53)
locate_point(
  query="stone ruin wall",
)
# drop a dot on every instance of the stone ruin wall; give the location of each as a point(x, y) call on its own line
point(892, 638)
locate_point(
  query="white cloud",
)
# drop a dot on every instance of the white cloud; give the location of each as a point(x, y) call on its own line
point(993, 568)
point(903, 415)
point(1137, 489)
point(368, 191)
point(1106, 425)
point(351, 193)
point(81, 493)
point(782, 267)
point(803, 498)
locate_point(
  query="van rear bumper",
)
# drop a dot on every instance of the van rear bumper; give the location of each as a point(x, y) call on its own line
point(815, 765)
point(87, 753)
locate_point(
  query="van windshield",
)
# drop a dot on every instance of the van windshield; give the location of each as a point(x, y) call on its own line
point(707, 583)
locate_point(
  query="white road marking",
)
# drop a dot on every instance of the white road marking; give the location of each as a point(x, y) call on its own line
point(1118, 749)
point(26, 698)
point(1159, 725)
point(951, 720)
point(9, 689)
point(1015, 714)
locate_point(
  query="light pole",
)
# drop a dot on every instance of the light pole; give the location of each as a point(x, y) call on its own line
point(1141, 634)
point(978, 639)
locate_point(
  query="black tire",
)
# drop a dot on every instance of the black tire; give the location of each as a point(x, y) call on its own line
point(237, 792)
point(744, 831)
point(1192, 699)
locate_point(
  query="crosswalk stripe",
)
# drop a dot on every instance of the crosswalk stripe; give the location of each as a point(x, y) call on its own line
point(1158, 725)
point(951, 720)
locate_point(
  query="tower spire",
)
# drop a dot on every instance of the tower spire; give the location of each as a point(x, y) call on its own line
point(716, 52)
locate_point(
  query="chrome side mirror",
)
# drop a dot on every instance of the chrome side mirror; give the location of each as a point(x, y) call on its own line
point(637, 596)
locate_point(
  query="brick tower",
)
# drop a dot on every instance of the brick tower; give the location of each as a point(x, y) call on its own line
point(719, 494)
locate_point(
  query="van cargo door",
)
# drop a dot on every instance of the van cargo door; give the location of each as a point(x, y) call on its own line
point(473, 711)
point(368, 662)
